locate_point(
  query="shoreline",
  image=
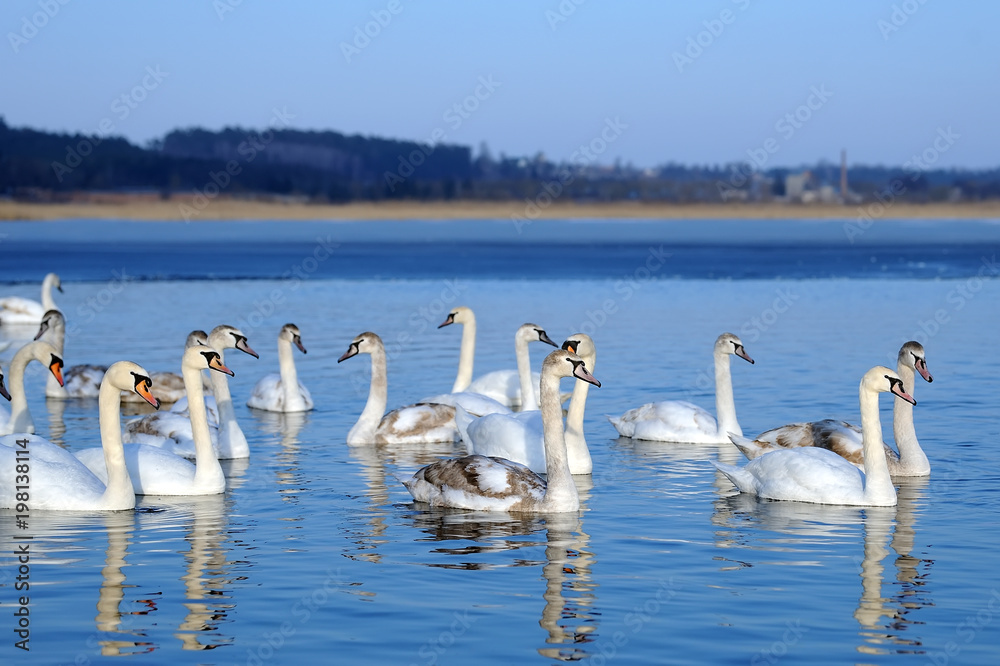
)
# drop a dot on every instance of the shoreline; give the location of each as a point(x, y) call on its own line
point(116, 207)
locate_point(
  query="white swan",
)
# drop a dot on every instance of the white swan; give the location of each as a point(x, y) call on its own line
point(19, 419)
point(504, 386)
point(482, 483)
point(845, 439)
point(810, 474)
point(681, 421)
point(419, 423)
point(283, 392)
point(155, 471)
point(172, 430)
point(59, 481)
point(17, 311)
point(519, 437)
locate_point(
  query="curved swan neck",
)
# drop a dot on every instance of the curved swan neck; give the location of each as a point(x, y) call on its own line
point(207, 467)
point(47, 302)
point(576, 442)
point(20, 417)
point(725, 406)
point(466, 356)
point(529, 401)
point(911, 456)
point(560, 490)
point(878, 483)
point(118, 493)
point(289, 375)
point(363, 431)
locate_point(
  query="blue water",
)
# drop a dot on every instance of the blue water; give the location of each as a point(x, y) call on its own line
point(317, 554)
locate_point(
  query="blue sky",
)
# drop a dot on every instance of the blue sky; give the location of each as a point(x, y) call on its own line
point(690, 82)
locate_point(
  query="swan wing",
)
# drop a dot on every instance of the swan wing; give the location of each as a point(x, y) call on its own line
point(478, 483)
point(516, 437)
point(15, 310)
point(58, 480)
point(668, 421)
point(84, 381)
point(417, 423)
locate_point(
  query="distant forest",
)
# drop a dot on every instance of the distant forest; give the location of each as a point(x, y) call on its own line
point(326, 166)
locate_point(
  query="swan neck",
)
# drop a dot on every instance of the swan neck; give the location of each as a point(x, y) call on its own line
point(289, 375)
point(576, 442)
point(118, 493)
point(560, 489)
point(47, 302)
point(725, 406)
point(223, 399)
point(878, 483)
point(363, 431)
point(529, 401)
point(466, 357)
point(206, 463)
point(911, 455)
point(20, 417)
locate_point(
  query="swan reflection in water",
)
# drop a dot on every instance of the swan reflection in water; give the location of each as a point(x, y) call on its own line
point(886, 622)
point(207, 573)
point(283, 429)
point(469, 540)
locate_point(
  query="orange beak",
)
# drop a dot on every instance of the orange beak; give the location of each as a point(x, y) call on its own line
point(55, 367)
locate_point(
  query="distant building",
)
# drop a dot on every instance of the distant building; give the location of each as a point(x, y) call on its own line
point(796, 185)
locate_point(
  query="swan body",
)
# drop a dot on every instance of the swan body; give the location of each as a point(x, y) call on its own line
point(156, 471)
point(172, 430)
point(519, 437)
point(59, 481)
point(283, 392)
point(475, 404)
point(419, 423)
point(504, 386)
point(810, 474)
point(485, 483)
point(19, 420)
point(681, 421)
point(17, 311)
point(845, 439)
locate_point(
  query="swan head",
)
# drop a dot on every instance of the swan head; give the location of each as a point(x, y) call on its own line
point(582, 345)
point(459, 315)
point(728, 343)
point(52, 320)
point(290, 333)
point(196, 338)
point(230, 337)
point(912, 354)
point(534, 333)
point(46, 354)
point(129, 376)
point(53, 280)
point(881, 379)
point(200, 357)
point(567, 364)
point(366, 343)
point(3, 389)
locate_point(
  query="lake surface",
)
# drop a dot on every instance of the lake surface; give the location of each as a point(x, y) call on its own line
point(317, 554)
